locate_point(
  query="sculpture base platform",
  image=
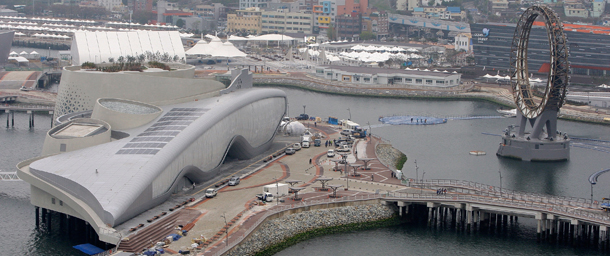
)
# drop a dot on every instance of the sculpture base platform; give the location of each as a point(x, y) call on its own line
point(544, 150)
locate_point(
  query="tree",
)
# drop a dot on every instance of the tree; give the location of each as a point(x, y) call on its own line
point(330, 33)
point(180, 23)
point(367, 35)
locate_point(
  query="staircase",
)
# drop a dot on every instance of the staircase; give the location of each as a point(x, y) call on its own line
point(157, 231)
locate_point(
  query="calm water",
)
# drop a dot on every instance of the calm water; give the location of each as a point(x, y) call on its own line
point(441, 152)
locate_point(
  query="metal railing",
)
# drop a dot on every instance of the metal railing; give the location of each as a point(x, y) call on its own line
point(9, 176)
point(282, 208)
point(561, 206)
point(548, 207)
point(474, 187)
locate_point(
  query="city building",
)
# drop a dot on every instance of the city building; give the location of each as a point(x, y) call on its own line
point(401, 5)
point(353, 6)
point(273, 22)
point(98, 47)
point(245, 4)
point(110, 5)
point(376, 23)
point(384, 77)
point(463, 42)
point(348, 26)
point(598, 8)
point(411, 4)
point(499, 4)
point(574, 8)
point(141, 5)
point(324, 14)
point(214, 11)
point(589, 54)
point(6, 40)
point(245, 20)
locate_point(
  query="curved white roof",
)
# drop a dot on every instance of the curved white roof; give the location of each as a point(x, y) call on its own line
point(98, 47)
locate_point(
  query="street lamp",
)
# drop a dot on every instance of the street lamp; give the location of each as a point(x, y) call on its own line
point(304, 108)
point(226, 229)
point(422, 181)
point(499, 172)
point(350, 114)
point(277, 193)
point(416, 172)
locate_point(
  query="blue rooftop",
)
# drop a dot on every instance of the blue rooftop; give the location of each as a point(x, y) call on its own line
point(418, 9)
point(457, 9)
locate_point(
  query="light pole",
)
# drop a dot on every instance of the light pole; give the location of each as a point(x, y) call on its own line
point(500, 173)
point(422, 181)
point(226, 229)
point(370, 130)
point(350, 114)
point(304, 106)
point(277, 193)
point(416, 172)
point(591, 192)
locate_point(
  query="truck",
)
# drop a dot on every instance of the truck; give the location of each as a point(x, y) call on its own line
point(302, 117)
point(317, 143)
point(305, 141)
point(359, 133)
point(278, 189)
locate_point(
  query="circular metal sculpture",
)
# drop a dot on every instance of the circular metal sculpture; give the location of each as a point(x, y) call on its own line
point(543, 142)
point(555, 92)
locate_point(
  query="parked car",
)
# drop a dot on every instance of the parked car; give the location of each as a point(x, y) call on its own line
point(296, 146)
point(346, 132)
point(210, 192)
point(234, 181)
point(343, 148)
point(330, 153)
point(290, 151)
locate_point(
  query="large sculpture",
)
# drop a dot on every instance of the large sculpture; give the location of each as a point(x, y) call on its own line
point(543, 142)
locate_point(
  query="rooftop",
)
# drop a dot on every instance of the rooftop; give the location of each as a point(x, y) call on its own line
point(368, 70)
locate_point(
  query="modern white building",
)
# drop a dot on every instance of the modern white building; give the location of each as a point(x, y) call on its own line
point(463, 42)
point(393, 77)
point(128, 140)
point(99, 47)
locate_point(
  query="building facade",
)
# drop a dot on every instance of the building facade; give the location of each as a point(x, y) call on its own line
point(589, 54)
point(348, 26)
point(245, 20)
point(273, 22)
point(385, 77)
point(110, 5)
point(463, 42)
point(245, 4)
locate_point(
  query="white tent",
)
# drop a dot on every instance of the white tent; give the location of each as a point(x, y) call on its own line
point(604, 86)
point(215, 48)
point(23, 53)
point(13, 54)
point(272, 37)
point(237, 38)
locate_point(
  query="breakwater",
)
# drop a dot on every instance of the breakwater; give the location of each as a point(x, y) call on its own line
point(283, 231)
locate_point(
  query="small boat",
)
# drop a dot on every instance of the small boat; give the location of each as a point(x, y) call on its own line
point(477, 153)
point(508, 112)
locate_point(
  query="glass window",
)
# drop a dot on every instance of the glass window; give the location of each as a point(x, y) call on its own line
point(418, 81)
point(408, 80)
point(428, 81)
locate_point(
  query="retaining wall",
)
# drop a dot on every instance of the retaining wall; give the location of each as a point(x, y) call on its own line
point(283, 225)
